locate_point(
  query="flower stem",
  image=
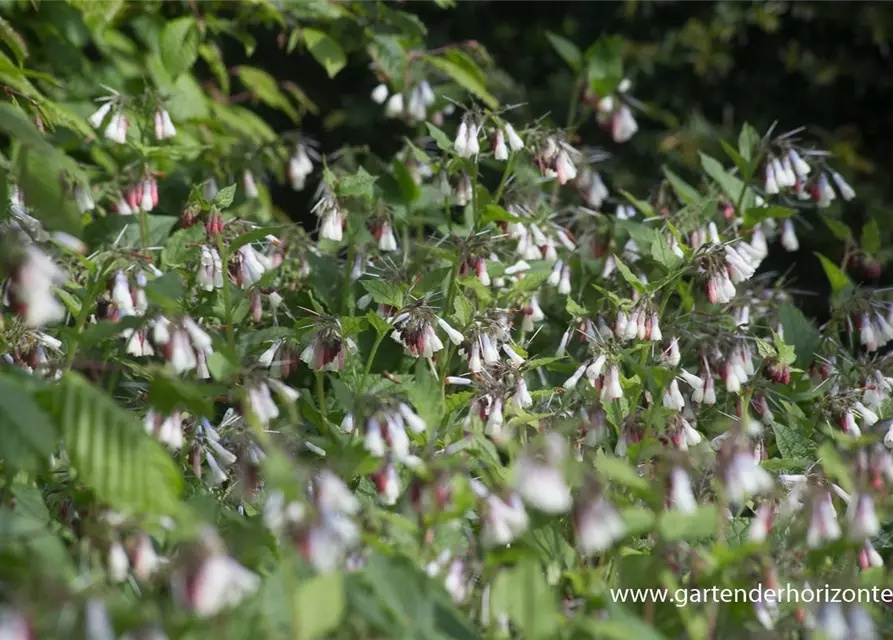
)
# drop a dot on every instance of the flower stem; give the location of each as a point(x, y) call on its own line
point(348, 268)
point(321, 395)
point(505, 176)
point(370, 360)
point(227, 299)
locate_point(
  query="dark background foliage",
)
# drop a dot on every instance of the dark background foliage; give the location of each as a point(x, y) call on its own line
point(705, 67)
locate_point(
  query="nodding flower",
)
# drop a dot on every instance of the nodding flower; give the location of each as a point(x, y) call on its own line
point(466, 144)
point(164, 126)
point(31, 289)
point(414, 329)
point(597, 525)
point(514, 140)
point(327, 349)
point(299, 167)
point(623, 124)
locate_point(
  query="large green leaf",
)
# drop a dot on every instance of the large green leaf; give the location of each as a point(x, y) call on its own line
point(180, 40)
point(319, 606)
point(26, 433)
point(733, 188)
point(467, 75)
point(266, 89)
point(40, 177)
point(109, 449)
point(800, 333)
point(326, 50)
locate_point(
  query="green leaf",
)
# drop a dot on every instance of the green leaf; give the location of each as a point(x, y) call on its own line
point(463, 310)
point(266, 89)
point(27, 437)
point(748, 140)
point(641, 234)
point(643, 207)
point(791, 441)
point(378, 323)
point(801, 332)
point(14, 41)
point(676, 525)
point(834, 467)
point(358, 184)
point(619, 470)
point(871, 237)
point(529, 600)
point(838, 279)
point(663, 254)
point(225, 196)
point(567, 50)
point(575, 310)
point(220, 367)
point(629, 276)
point(179, 44)
point(467, 75)
point(167, 394)
point(443, 142)
point(495, 213)
point(110, 450)
point(327, 52)
point(40, 177)
point(687, 193)
point(839, 229)
point(384, 292)
point(166, 290)
point(255, 235)
point(319, 606)
point(409, 190)
point(731, 186)
point(758, 214)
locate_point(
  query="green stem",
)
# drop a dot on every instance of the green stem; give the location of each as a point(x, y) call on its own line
point(321, 395)
point(227, 298)
point(474, 198)
point(370, 360)
point(348, 268)
point(571, 110)
point(448, 305)
point(144, 229)
point(505, 176)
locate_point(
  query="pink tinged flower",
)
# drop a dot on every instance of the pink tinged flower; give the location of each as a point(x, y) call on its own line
point(620, 325)
point(249, 185)
point(789, 236)
point(862, 519)
point(800, 166)
point(83, 200)
point(822, 192)
point(744, 478)
point(145, 560)
point(219, 583)
point(380, 94)
point(571, 382)
point(99, 115)
point(823, 526)
point(673, 397)
point(869, 557)
point(96, 622)
point(564, 167)
point(514, 140)
point(867, 337)
point(123, 208)
point(564, 284)
point(681, 495)
point(118, 564)
point(761, 523)
point(386, 239)
point(623, 124)
point(846, 191)
point(495, 420)
point(770, 180)
point(597, 526)
point(31, 289)
point(500, 150)
point(521, 399)
point(253, 265)
point(611, 389)
point(116, 130)
point(299, 167)
point(503, 520)
point(460, 144)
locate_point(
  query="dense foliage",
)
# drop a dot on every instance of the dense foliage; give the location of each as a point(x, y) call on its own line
point(499, 374)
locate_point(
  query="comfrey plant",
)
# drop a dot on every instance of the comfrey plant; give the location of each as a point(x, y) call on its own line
point(482, 382)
